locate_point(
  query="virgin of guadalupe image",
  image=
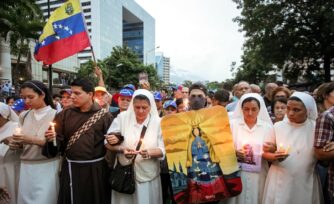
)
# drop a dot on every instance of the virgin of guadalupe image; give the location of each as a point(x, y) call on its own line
point(201, 156)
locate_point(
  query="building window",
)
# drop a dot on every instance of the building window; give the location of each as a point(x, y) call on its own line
point(86, 10)
point(85, 3)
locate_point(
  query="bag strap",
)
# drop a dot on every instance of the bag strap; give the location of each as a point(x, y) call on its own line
point(142, 134)
point(87, 125)
point(24, 117)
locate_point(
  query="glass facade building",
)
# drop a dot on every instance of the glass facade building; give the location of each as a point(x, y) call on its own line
point(113, 23)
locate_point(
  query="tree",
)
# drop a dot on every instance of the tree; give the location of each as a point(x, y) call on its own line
point(20, 21)
point(285, 32)
point(187, 83)
point(121, 68)
point(213, 86)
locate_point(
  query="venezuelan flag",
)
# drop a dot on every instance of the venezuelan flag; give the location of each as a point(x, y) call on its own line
point(63, 35)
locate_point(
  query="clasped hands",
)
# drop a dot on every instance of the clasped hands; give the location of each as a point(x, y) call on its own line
point(129, 153)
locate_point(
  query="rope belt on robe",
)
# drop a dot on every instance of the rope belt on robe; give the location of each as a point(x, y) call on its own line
point(69, 162)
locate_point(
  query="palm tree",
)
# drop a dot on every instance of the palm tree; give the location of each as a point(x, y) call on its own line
point(20, 22)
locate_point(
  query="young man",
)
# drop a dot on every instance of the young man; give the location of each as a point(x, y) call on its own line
point(197, 96)
point(80, 132)
point(221, 98)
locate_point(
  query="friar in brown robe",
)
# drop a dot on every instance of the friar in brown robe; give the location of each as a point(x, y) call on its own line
point(83, 164)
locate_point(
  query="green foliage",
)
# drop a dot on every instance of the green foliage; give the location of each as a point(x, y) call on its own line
point(214, 86)
point(121, 68)
point(87, 70)
point(187, 83)
point(285, 32)
point(20, 21)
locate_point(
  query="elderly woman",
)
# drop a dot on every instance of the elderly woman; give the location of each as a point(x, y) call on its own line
point(292, 177)
point(141, 112)
point(9, 159)
point(251, 127)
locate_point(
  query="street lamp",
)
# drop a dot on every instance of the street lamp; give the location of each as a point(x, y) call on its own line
point(149, 52)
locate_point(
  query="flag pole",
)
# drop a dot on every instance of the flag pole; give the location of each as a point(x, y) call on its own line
point(50, 65)
point(94, 59)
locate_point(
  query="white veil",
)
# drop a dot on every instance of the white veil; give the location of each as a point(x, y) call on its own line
point(149, 95)
point(8, 113)
point(263, 113)
point(309, 102)
point(129, 119)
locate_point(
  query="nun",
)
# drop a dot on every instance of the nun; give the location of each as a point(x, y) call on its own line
point(9, 159)
point(293, 178)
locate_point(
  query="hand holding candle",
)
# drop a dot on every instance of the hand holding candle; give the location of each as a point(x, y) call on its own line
point(18, 131)
point(282, 153)
point(53, 130)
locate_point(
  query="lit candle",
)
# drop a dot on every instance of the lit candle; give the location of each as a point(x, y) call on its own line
point(18, 131)
point(281, 149)
point(53, 130)
point(287, 150)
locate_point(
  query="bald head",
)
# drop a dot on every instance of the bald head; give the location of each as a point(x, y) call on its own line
point(270, 87)
point(255, 88)
point(242, 88)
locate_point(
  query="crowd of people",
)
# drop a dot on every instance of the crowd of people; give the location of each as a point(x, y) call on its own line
point(62, 148)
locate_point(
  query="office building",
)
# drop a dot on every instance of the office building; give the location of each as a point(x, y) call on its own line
point(162, 65)
point(114, 23)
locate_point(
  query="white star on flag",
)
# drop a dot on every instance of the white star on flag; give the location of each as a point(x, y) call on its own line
point(66, 28)
point(60, 26)
point(43, 42)
point(70, 32)
point(55, 26)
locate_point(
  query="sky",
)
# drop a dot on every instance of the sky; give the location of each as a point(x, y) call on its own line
point(199, 36)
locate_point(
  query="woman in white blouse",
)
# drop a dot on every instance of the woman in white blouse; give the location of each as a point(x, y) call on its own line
point(142, 111)
point(39, 181)
point(251, 126)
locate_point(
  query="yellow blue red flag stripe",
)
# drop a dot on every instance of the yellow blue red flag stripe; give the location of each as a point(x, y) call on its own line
point(64, 34)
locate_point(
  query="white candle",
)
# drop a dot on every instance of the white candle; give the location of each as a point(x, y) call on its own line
point(18, 131)
point(53, 130)
point(287, 150)
point(281, 149)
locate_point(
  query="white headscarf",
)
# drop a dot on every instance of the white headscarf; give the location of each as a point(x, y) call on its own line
point(308, 101)
point(263, 113)
point(129, 119)
point(150, 96)
point(8, 113)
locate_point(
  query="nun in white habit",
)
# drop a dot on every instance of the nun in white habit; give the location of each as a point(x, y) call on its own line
point(142, 111)
point(294, 179)
point(251, 128)
point(9, 159)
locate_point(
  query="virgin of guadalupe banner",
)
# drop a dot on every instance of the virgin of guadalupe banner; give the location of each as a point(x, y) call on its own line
point(201, 157)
